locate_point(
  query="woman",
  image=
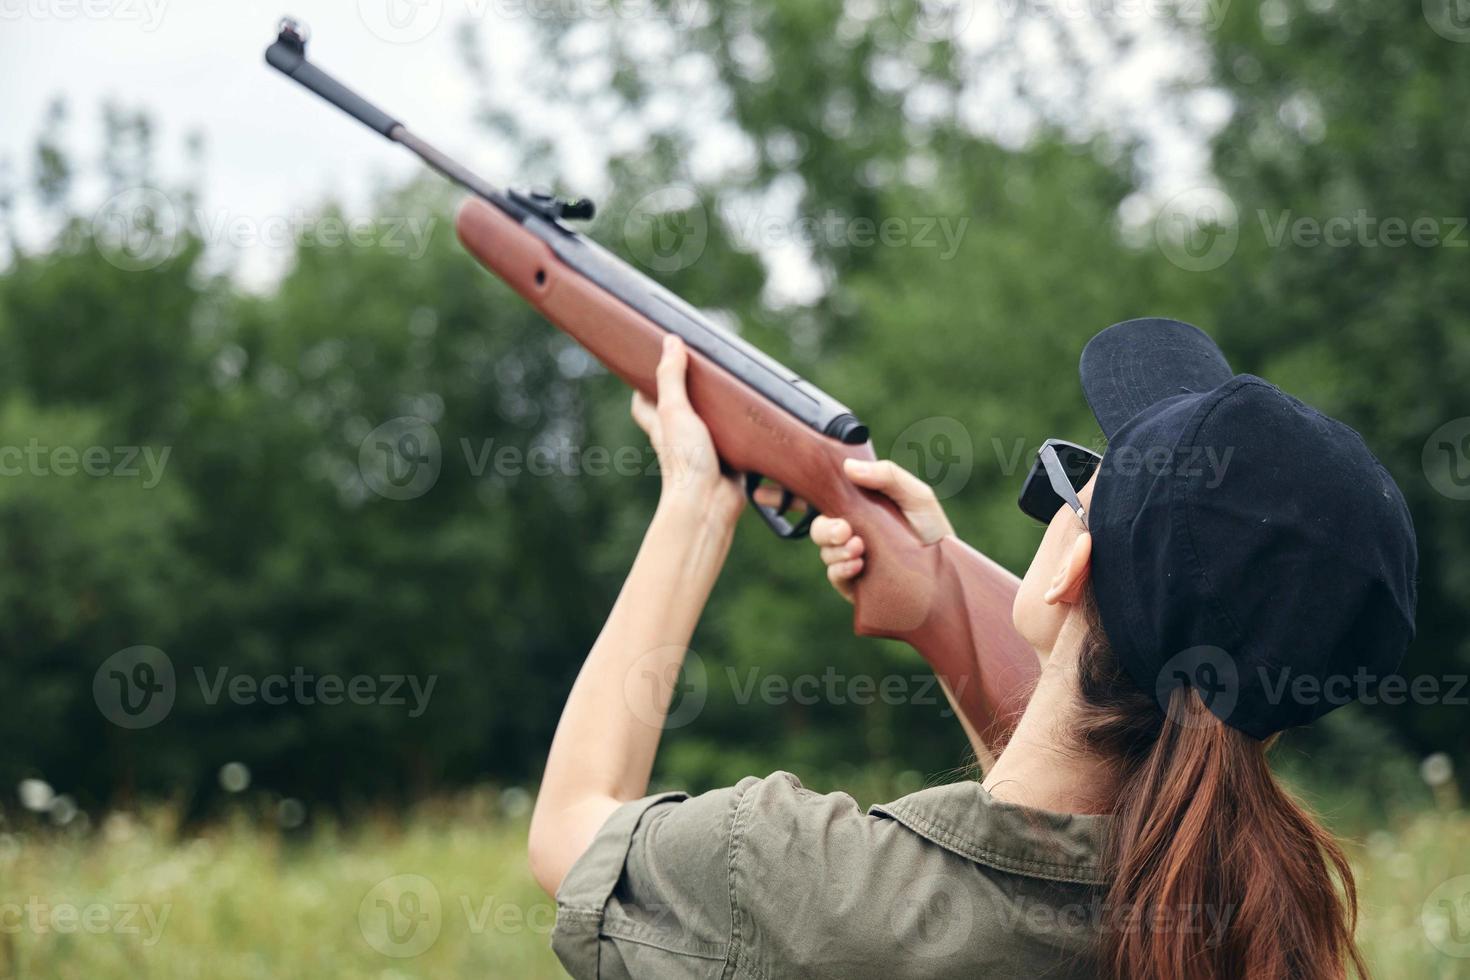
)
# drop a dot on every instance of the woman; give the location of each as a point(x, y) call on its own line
point(1211, 581)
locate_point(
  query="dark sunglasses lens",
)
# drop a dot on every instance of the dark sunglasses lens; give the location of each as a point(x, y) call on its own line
point(1038, 500)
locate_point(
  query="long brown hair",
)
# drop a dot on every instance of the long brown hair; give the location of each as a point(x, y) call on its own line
point(1218, 872)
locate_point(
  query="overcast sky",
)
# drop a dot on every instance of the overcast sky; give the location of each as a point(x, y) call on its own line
point(272, 150)
point(270, 146)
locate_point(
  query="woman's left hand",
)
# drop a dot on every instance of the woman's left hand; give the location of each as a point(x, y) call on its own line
point(693, 486)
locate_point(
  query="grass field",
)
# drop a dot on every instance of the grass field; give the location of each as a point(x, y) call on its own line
point(137, 898)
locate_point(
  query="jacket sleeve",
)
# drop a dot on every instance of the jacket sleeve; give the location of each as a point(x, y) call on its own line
point(651, 896)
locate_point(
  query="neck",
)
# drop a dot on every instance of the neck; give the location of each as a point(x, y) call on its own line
point(1042, 766)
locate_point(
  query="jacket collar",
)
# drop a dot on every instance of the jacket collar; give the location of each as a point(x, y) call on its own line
point(965, 819)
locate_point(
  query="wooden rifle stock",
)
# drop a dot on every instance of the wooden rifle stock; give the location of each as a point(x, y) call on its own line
point(948, 601)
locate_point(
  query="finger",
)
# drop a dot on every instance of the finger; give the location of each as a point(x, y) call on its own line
point(840, 553)
point(853, 547)
point(672, 366)
point(645, 414)
point(844, 572)
point(767, 495)
point(831, 531)
point(771, 495)
point(891, 480)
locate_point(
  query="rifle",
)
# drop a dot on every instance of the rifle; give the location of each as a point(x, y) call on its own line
point(948, 601)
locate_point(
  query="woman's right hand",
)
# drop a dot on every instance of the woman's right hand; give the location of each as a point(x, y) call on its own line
point(843, 551)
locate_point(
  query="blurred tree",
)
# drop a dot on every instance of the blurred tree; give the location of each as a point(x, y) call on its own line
point(847, 215)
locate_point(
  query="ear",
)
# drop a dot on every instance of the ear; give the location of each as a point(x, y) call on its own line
point(1072, 573)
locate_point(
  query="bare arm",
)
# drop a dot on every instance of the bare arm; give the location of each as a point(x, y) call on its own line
point(609, 731)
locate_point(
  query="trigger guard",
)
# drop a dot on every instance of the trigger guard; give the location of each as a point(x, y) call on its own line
point(775, 517)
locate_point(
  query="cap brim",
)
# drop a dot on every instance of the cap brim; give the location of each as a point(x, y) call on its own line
point(1138, 363)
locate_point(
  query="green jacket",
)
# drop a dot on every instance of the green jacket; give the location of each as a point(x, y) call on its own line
point(767, 880)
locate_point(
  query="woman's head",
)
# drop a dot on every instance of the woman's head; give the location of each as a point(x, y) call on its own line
point(1231, 542)
point(1238, 542)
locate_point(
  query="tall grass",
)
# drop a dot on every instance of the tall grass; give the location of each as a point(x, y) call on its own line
point(138, 897)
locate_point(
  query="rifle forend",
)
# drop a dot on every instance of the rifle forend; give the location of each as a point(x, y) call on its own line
point(947, 600)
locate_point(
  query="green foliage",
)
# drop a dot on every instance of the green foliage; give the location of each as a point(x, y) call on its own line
point(266, 549)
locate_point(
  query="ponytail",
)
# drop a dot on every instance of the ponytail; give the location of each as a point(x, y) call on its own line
point(1217, 872)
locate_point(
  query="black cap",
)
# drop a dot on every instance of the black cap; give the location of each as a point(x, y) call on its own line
point(1243, 542)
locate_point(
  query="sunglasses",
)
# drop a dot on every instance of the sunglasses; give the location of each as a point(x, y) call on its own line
point(1061, 469)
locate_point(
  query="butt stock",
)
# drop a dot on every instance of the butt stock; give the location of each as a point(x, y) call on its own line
point(947, 600)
